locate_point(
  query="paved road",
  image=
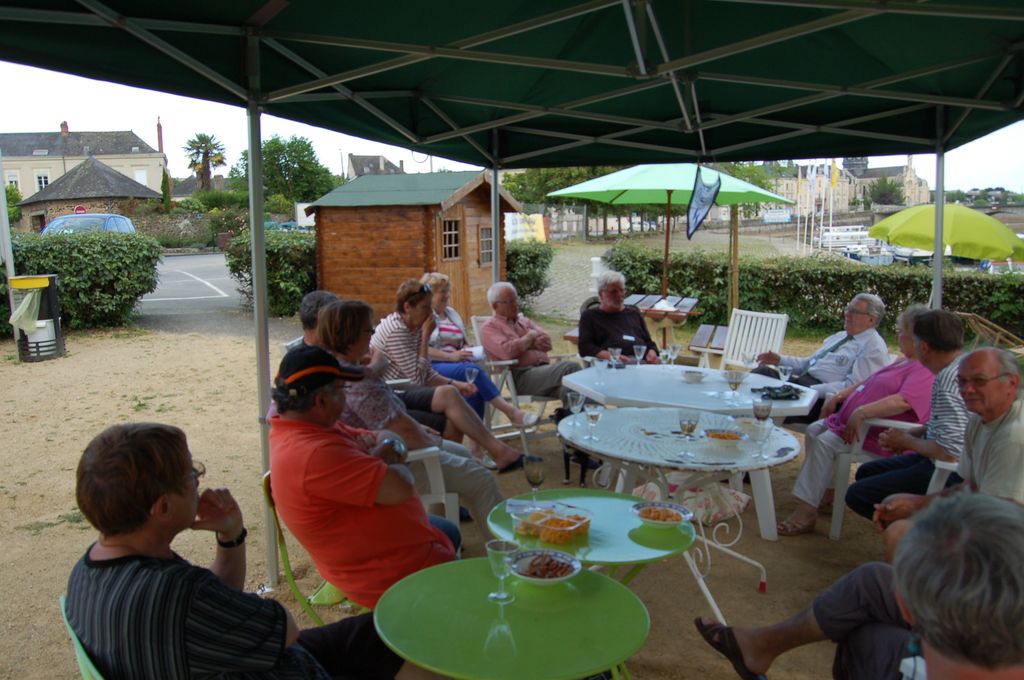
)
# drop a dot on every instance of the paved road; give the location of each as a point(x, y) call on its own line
point(197, 295)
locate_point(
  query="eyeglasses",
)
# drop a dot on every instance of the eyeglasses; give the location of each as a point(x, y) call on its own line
point(336, 389)
point(506, 302)
point(425, 288)
point(198, 470)
point(977, 382)
point(850, 309)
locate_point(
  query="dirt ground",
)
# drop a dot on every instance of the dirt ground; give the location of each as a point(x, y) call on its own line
point(206, 386)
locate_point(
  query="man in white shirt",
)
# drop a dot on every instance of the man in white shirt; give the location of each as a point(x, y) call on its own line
point(845, 358)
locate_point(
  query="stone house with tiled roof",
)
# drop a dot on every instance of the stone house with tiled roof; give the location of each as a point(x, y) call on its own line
point(33, 160)
point(372, 165)
point(91, 187)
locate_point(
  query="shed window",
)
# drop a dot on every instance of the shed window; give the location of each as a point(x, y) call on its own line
point(486, 245)
point(451, 247)
point(42, 180)
point(12, 179)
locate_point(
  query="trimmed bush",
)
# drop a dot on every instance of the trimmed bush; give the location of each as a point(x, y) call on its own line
point(101, 276)
point(528, 267)
point(814, 291)
point(291, 268)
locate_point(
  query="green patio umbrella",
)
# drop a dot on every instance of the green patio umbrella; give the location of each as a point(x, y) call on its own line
point(664, 184)
point(965, 231)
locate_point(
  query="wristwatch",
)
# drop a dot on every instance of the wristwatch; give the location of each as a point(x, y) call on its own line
point(397, 445)
point(235, 543)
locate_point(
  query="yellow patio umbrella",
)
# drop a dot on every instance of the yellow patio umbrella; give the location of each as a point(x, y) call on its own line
point(965, 231)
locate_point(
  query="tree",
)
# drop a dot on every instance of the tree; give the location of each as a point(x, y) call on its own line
point(205, 153)
point(885, 191)
point(13, 199)
point(165, 191)
point(534, 184)
point(290, 168)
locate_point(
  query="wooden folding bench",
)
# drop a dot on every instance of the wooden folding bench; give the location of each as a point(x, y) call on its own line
point(709, 339)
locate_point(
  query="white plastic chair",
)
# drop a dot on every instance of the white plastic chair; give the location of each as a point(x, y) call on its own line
point(438, 495)
point(752, 332)
point(857, 454)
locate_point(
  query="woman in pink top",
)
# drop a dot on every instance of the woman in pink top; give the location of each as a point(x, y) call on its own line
point(901, 391)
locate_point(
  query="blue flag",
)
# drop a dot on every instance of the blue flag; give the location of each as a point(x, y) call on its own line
point(703, 198)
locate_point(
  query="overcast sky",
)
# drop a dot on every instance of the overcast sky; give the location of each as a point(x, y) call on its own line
point(91, 105)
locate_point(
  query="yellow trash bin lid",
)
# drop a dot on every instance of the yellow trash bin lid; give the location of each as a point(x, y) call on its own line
point(29, 282)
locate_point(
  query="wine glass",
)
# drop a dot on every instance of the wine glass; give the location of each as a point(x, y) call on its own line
point(593, 416)
point(533, 467)
point(616, 354)
point(576, 400)
point(673, 351)
point(639, 351)
point(749, 359)
point(688, 427)
point(499, 553)
point(663, 356)
point(785, 372)
point(734, 379)
point(762, 410)
point(471, 374)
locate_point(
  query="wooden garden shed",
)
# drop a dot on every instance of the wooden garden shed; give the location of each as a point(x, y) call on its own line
point(378, 230)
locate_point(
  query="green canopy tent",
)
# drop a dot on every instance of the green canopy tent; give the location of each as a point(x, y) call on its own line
point(564, 82)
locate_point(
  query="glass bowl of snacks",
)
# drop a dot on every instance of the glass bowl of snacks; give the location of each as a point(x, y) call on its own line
point(724, 439)
point(662, 513)
point(557, 524)
point(544, 567)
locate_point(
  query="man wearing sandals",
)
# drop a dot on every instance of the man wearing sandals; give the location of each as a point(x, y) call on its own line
point(954, 597)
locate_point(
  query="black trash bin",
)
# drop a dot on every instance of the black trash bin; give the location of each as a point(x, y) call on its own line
point(47, 342)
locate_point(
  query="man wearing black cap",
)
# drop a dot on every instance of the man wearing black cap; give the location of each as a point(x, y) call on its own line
point(345, 493)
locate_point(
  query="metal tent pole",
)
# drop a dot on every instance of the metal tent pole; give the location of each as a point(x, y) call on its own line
point(6, 252)
point(258, 246)
point(940, 203)
point(497, 235)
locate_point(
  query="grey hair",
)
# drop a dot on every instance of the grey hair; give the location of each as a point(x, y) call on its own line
point(605, 279)
point(876, 307)
point(908, 316)
point(958, 569)
point(495, 290)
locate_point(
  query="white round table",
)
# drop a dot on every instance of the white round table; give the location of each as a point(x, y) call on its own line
point(661, 385)
point(650, 437)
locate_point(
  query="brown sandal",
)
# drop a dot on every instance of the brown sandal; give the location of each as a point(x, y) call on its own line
point(788, 527)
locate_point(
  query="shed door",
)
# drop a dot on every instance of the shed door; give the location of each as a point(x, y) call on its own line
point(452, 258)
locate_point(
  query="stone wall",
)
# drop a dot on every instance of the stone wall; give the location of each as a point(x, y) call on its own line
point(175, 231)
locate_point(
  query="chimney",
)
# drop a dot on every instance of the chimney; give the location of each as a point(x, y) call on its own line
point(380, 164)
point(64, 128)
point(401, 166)
point(159, 135)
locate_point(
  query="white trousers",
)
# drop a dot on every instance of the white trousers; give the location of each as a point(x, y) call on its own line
point(463, 474)
point(821, 446)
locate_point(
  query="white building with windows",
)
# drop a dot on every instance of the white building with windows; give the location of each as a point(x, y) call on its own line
point(32, 160)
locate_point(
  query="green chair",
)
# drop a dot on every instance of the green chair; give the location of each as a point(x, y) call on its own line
point(85, 665)
point(326, 595)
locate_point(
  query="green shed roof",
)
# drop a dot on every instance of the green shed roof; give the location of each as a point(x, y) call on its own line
point(428, 188)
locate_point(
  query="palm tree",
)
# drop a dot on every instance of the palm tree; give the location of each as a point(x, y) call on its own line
point(205, 152)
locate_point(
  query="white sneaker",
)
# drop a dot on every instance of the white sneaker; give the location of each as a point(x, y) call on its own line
point(603, 476)
point(529, 419)
point(488, 462)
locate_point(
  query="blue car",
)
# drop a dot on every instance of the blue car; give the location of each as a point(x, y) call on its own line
point(78, 224)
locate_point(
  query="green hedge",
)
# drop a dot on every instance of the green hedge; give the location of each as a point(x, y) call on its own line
point(528, 267)
point(814, 291)
point(291, 268)
point(101, 276)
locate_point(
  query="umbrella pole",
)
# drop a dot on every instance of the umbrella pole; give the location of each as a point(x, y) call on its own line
point(664, 263)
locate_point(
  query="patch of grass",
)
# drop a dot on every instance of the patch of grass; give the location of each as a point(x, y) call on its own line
point(140, 403)
point(11, 358)
point(73, 517)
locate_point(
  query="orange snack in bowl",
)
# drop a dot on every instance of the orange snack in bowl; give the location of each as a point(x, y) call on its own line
point(725, 435)
point(661, 514)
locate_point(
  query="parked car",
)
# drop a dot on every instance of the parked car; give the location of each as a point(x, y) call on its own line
point(78, 224)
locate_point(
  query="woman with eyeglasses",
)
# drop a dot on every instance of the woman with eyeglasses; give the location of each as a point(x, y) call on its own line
point(439, 405)
point(901, 391)
point(445, 339)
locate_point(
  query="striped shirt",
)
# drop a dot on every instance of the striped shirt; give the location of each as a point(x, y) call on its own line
point(402, 347)
point(145, 617)
point(948, 421)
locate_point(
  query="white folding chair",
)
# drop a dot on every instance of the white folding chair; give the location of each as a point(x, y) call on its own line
point(754, 333)
point(501, 375)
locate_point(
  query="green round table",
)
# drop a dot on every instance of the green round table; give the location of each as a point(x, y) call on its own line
point(441, 619)
point(617, 537)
